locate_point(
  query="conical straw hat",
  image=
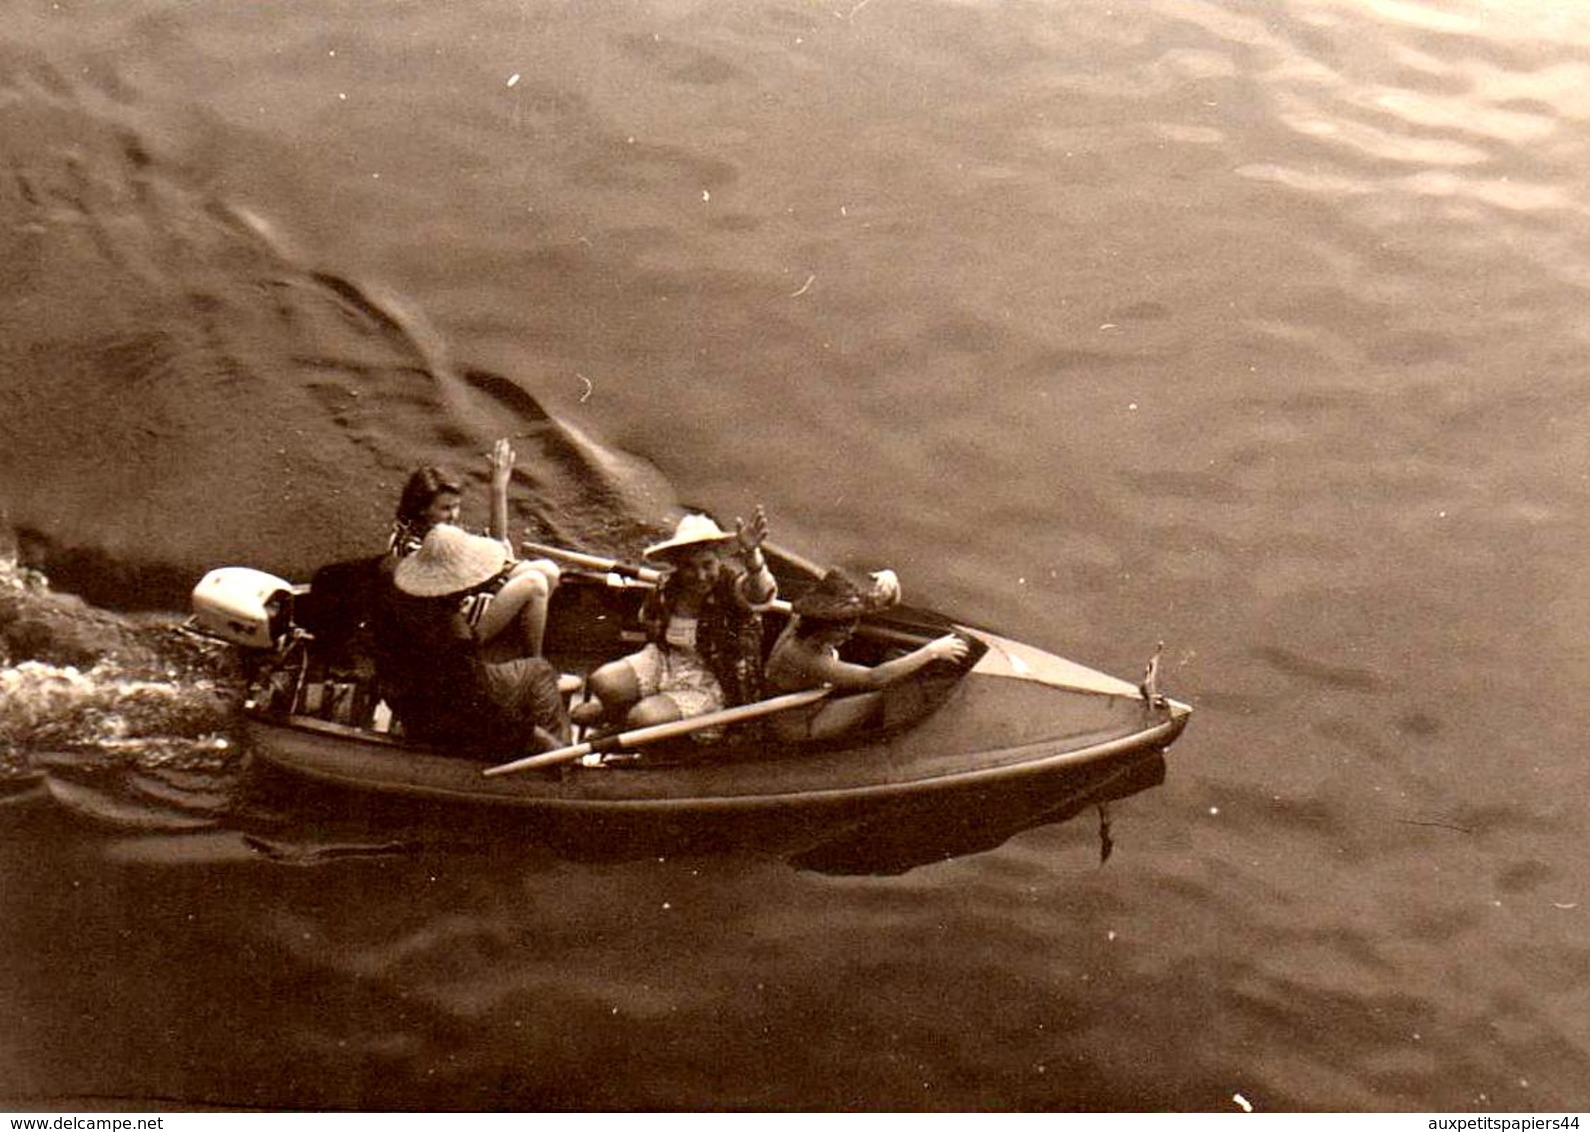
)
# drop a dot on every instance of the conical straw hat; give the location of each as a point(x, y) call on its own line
point(449, 561)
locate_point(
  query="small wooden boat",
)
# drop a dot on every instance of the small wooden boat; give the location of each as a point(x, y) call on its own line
point(1009, 717)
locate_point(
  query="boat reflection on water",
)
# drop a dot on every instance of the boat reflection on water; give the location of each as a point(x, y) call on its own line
point(894, 843)
point(251, 813)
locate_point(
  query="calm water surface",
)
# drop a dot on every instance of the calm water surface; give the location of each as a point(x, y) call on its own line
point(1255, 328)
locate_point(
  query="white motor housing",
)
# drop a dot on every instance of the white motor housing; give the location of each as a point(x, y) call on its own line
point(244, 606)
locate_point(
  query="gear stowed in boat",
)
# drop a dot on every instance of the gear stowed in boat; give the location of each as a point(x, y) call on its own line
point(1006, 717)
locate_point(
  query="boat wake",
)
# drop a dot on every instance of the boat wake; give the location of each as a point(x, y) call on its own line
point(183, 389)
point(127, 722)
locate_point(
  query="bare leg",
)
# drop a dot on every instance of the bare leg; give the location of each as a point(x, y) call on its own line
point(522, 602)
point(652, 711)
point(614, 687)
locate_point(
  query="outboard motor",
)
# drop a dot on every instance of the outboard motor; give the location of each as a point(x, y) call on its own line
point(243, 606)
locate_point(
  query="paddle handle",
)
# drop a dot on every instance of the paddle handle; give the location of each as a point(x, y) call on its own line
point(657, 732)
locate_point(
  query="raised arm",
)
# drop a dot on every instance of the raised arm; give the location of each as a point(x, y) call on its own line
point(500, 465)
point(758, 587)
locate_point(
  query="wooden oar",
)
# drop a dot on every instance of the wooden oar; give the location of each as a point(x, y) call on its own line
point(592, 562)
point(640, 736)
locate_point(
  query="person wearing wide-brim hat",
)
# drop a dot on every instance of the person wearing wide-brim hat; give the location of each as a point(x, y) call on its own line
point(841, 596)
point(503, 600)
point(460, 642)
point(691, 534)
point(433, 497)
point(806, 655)
point(704, 628)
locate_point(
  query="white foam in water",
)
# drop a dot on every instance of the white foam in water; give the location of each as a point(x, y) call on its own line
point(105, 708)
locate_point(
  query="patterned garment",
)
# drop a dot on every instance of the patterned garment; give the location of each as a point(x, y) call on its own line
point(680, 676)
point(728, 635)
point(525, 690)
point(405, 538)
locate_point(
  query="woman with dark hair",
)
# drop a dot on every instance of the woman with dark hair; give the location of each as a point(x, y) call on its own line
point(518, 601)
point(432, 495)
point(806, 655)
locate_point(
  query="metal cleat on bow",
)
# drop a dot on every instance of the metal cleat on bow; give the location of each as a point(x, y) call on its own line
point(1150, 685)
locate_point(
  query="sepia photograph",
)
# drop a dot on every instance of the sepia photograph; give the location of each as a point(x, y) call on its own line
point(794, 556)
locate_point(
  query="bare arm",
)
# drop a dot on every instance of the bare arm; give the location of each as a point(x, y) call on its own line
point(500, 463)
point(823, 668)
point(758, 587)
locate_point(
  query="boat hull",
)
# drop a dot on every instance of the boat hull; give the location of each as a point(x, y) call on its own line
point(1018, 718)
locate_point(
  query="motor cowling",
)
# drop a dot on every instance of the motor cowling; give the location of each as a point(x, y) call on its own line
point(243, 606)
